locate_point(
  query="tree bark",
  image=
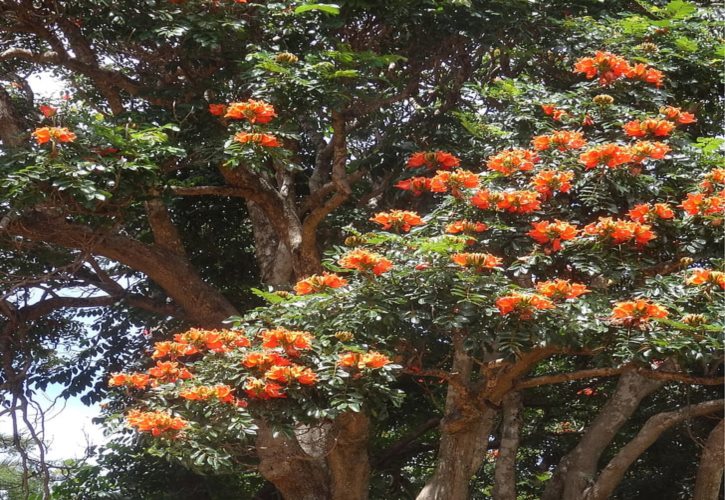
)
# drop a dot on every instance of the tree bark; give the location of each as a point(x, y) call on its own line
point(712, 461)
point(348, 461)
point(615, 470)
point(464, 434)
point(579, 466)
point(11, 133)
point(273, 257)
point(505, 473)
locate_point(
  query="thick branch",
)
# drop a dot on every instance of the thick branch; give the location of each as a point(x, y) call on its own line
point(712, 461)
point(613, 473)
point(568, 377)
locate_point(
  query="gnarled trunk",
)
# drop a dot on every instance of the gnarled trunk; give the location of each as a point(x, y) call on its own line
point(505, 474)
point(712, 461)
point(273, 257)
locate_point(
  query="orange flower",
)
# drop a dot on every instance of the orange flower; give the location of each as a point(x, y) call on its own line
point(264, 140)
point(546, 182)
point(221, 392)
point(559, 289)
point(156, 422)
point(55, 134)
point(510, 161)
point(252, 111)
point(611, 155)
point(264, 360)
point(416, 185)
point(522, 303)
point(217, 109)
point(476, 261)
point(317, 283)
point(292, 341)
point(643, 150)
point(371, 359)
point(453, 181)
point(172, 350)
point(650, 126)
point(555, 113)
point(518, 202)
point(644, 212)
point(364, 261)
point(637, 311)
point(466, 227)
point(135, 380)
point(433, 160)
point(483, 199)
point(587, 391)
point(398, 220)
point(677, 115)
point(716, 177)
point(562, 140)
point(608, 66)
point(219, 341)
point(553, 233)
point(706, 276)
point(700, 204)
point(169, 371)
point(47, 111)
point(620, 231)
point(260, 389)
point(646, 74)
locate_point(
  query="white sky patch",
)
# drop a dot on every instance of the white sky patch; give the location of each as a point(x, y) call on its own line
point(46, 85)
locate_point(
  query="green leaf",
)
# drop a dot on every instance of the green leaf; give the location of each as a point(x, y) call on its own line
point(679, 9)
point(328, 8)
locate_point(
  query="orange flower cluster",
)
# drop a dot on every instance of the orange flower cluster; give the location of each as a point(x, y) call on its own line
point(261, 389)
point(364, 261)
point(607, 66)
point(706, 276)
point(360, 361)
point(156, 422)
point(264, 140)
point(646, 74)
point(559, 289)
point(264, 360)
point(517, 202)
point(197, 340)
point(476, 261)
point(701, 204)
point(546, 182)
point(398, 220)
point(135, 380)
point(555, 113)
point(633, 312)
point(433, 160)
point(453, 181)
point(552, 233)
point(644, 150)
point(292, 341)
point(317, 283)
point(648, 127)
point(511, 161)
point(563, 140)
point(218, 109)
point(645, 212)
point(620, 231)
point(292, 373)
point(713, 180)
point(524, 304)
point(168, 372)
point(416, 185)
point(55, 134)
point(465, 227)
point(677, 115)
point(221, 392)
point(47, 111)
point(251, 110)
point(610, 155)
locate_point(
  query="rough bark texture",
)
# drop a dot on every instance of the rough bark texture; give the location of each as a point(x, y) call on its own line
point(464, 435)
point(578, 468)
point(11, 134)
point(505, 474)
point(273, 257)
point(615, 470)
point(712, 462)
point(348, 460)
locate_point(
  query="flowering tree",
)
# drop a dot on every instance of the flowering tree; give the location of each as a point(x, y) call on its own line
point(591, 253)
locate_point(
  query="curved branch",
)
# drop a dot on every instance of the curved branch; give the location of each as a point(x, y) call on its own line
point(568, 377)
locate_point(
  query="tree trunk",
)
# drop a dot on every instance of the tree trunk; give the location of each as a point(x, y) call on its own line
point(505, 474)
point(579, 467)
point(273, 257)
point(11, 134)
point(348, 461)
point(712, 461)
point(464, 434)
point(615, 470)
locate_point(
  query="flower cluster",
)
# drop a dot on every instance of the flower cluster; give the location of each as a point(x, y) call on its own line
point(562, 140)
point(610, 67)
point(197, 340)
point(610, 155)
point(169, 372)
point(648, 127)
point(453, 181)
point(416, 185)
point(517, 202)
point(264, 140)
point(547, 182)
point(365, 261)
point(158, 423)
point(715, 179)
point(433, 160)
point(552, 233)
point(620, 231)
point(220, 392)
point(360, 361)
point(524, 304)
point(555, 113)
point(701, 204)
point(511, 161)
point(476, 261)
point(53, 134)
point(250, 110)
point(648, 150)
point(291, 341)
point(559, 289)
point(634, 312)
point(705, 277)
point(645, 212)
point(466, 227)
point(398, 220)
point(319, 283)
point(677, 115)
point(135, 380)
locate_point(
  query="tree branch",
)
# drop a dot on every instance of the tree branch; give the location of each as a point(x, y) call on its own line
point(567, 377)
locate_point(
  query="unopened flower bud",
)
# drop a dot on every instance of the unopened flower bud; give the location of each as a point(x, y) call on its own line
point(648, 47)
point(694, 319)
point(283, 294)
point(686, 261)
point(344, 336)
point(286, 58)
point(603, 100)
point(354, 241)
